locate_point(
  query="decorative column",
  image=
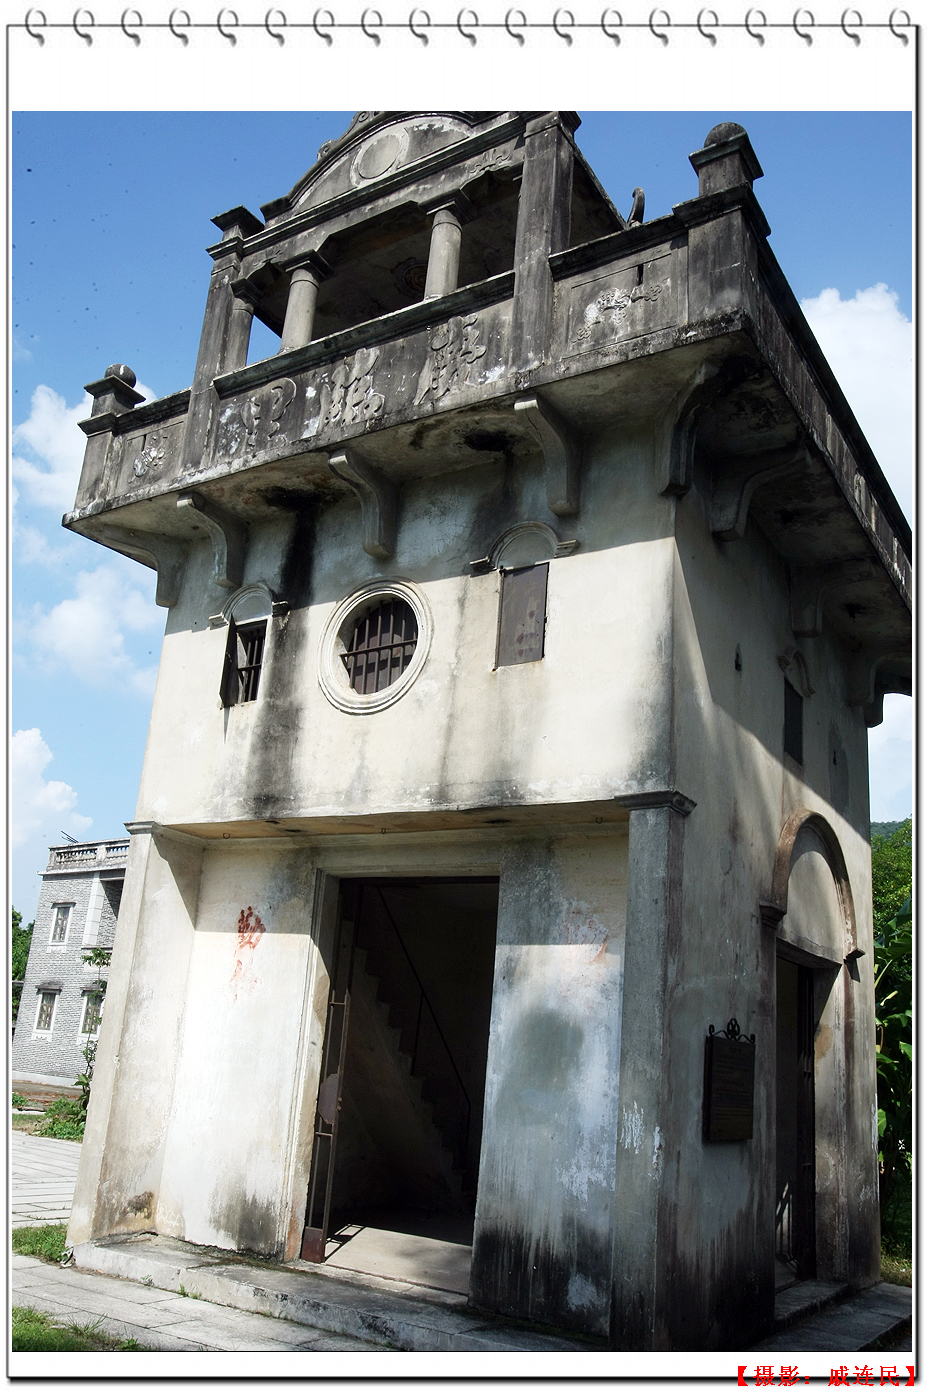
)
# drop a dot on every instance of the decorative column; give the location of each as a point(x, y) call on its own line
point(444, 252)
point(306, 277)
point(239, 329)
point(226, 326)
point(543, 227)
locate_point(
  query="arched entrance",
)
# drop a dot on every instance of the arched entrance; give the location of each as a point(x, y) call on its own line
point(811, 910)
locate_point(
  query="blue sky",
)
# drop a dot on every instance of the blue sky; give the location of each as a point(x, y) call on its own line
point(110, 220)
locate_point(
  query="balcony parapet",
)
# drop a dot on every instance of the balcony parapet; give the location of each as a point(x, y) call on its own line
point(90, 856)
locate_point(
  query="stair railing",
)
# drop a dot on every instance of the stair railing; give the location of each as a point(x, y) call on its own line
point(425, 1002)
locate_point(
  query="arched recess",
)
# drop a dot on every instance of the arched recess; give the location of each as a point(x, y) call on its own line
point(822, 1088)
point(801, 826)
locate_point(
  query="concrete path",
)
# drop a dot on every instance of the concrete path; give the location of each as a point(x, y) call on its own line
point(44, 1172)
point(160, 1320)
point(313, 1308)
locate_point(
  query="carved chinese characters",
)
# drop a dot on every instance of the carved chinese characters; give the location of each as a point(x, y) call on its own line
point(453, 347)
point(612, 304)
point(277, 397)
point(347, 395)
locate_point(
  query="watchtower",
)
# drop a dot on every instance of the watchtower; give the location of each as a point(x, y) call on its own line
point(501, 852)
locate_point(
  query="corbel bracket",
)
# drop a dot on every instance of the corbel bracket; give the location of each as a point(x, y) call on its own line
point(677, 430)
point(808, 584)
point(863, 686)
point(562, 448)
point(228, 535)
point(735, 483)
point(379, 499)
point(160, 553)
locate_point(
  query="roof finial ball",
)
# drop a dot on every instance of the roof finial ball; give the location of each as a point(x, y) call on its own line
point(725, 131)
point(726, 160)
point(124, 373)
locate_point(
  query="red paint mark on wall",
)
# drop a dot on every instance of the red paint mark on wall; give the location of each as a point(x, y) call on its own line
point(250, 928)
point(250, 931)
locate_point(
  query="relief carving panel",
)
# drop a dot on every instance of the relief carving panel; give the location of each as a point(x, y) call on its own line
point(149, 458)
point(346, 394)
point(619, 304)
point(250, 425)
point(453, 347)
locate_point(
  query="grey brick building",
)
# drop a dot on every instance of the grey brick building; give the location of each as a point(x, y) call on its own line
point(61, 1007)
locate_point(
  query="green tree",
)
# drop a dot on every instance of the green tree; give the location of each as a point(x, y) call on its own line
point(19, 954)
point(891, 902)
point(98, 956)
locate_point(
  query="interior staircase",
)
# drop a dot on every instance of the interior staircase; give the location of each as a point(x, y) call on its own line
point(396, 1136)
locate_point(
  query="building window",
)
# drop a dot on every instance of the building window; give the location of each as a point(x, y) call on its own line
point(374, 645)
point(246, 613)
point(93, 1012)
point(244, 656)
point(522, 615)
point(46, 1011)
point(62, 918)
point(380, 646)
point(792, 736)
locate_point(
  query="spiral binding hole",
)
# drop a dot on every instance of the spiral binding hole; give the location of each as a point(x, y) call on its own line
point(562, 22)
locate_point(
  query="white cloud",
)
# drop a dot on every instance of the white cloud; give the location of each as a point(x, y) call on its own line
point(51, 433)
point(40, 809)
point(869, 344)
point(87, 632)
point(33, 546)
point(891, 761)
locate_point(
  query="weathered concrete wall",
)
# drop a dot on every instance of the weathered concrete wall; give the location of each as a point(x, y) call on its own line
point(457, 735)
point(544, 1208)
point(715, 1225)
point(123, 1150)
point(252, 1031)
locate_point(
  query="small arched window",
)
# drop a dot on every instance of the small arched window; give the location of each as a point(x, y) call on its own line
point(246, 613)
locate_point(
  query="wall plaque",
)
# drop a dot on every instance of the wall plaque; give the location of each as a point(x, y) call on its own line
point(729, 1071)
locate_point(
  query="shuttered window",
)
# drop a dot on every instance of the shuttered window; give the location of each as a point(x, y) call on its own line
point(244, 655)
point(793, 740)
point(522, 615)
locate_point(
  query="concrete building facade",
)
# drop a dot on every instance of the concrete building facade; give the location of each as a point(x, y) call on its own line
point(502, 843)
point(61, 1006)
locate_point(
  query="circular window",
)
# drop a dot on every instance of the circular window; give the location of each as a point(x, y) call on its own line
point(374, 645)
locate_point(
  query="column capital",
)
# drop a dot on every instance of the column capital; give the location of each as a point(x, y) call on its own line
point(315, 266)
point(457, 205)
point(237, 222)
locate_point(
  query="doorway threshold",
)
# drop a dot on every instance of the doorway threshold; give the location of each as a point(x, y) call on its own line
point(428, 1251)
point(384, 1312)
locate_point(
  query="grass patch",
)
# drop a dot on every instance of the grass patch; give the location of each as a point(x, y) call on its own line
point(35, 1331)
point(41, 1242)
point(64, 1119)
point(27, 1124)
point(897, 1234)
point(896, 1267)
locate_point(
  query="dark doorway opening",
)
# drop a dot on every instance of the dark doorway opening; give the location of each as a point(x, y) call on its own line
point(399, 1119)
point(795, 1147)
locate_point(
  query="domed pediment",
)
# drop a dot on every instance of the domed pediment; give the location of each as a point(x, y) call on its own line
point(375, 145)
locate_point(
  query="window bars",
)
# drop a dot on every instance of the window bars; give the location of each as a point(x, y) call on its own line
point(380, 647)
